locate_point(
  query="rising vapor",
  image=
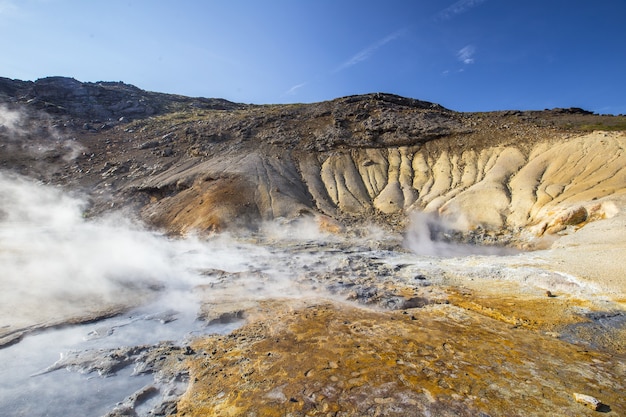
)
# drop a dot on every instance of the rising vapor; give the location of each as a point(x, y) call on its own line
point(54, 263)
point(10, 122)
point(57, 265)
point(34, 133)
point(429, 235)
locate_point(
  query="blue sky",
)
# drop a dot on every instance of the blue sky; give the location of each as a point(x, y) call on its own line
point(467, 55)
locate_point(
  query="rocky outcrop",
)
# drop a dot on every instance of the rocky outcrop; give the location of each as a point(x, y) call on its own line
point(101, 101)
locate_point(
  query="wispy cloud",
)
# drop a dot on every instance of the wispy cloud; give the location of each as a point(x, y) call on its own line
point(370, 50)
point(295, 88)
point(359, 57)
point(466, 54)
point(461, 6)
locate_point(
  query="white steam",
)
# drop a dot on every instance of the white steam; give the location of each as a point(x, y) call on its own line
point(35, 133)
point(53, 262)
point(301, 229)
point(10, 121)
point(429, 235)
point(56, 265)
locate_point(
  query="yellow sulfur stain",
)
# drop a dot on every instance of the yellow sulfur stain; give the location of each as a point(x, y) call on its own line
point(325, 358)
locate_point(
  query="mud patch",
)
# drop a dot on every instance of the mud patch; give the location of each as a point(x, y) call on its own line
point(605, 330)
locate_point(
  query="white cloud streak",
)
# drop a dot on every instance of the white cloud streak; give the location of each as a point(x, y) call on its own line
point(295, 88)
point(369, 51)
point(466, 54)
point(461, 6)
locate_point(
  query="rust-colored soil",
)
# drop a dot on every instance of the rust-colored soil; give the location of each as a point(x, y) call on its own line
point(330, 359)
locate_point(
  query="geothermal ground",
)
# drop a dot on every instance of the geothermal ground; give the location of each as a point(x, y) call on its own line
point(371, 255)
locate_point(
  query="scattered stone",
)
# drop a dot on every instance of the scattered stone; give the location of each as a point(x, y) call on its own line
point(169, 137)
point(106, 362)
point(387, 400)
point(163, 317)
point(588, 401)
point(128, 406)
point(149, 144)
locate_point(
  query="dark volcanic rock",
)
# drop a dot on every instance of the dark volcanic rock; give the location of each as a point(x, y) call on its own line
point(99, 101)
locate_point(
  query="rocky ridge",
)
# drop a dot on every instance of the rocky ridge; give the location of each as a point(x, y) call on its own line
point(103, 101)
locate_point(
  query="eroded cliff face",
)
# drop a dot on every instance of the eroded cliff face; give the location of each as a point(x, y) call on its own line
point(545, 188)
point(528, 191)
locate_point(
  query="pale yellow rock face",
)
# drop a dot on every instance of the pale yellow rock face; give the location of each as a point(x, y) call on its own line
point(552, 191)
point(545, 189)
point(534, 188)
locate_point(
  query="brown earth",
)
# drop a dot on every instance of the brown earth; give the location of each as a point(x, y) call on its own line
point(329, 359)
